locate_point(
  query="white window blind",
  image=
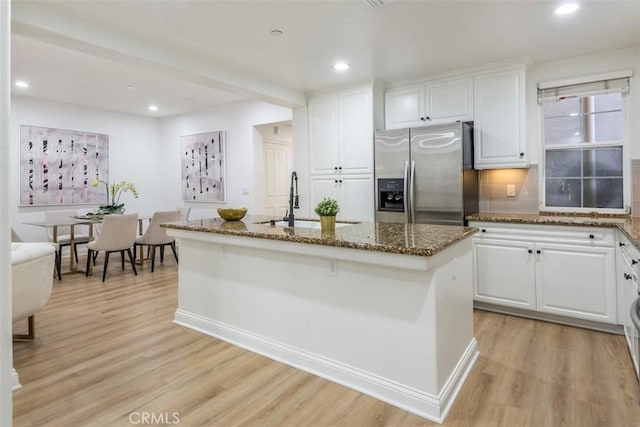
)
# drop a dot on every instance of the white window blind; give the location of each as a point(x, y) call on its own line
point(612, 83)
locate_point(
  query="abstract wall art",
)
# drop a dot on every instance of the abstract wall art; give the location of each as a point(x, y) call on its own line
point(203, 167)
point(57, 166)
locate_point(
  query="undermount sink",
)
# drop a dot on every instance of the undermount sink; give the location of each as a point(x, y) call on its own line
point(308, 224)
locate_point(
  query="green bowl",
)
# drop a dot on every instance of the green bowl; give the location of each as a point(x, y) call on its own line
point(229, 214)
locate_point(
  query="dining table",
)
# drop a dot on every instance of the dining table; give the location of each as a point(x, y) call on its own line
point(87, 219)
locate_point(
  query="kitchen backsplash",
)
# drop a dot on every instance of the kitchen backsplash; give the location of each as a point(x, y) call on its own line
point(493, 190)
point(635, 187)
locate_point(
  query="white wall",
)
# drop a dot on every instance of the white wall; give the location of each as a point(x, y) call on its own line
point(615, 60)
point(135, 155)
point(237, 120)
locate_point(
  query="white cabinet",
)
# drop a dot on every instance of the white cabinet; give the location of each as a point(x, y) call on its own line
point(628, 258)
point(567, 271)
point(576, 281)
point(504, 272)
point(354, 194)
point(432, 103)
point(499, 120)
point(341, 132)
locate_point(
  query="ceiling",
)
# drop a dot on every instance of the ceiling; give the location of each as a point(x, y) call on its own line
point(189, 55)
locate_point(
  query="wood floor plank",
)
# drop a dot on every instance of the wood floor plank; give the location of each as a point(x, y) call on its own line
point(105, 351)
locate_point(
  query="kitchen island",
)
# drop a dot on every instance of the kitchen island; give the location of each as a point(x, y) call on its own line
point(385, 309)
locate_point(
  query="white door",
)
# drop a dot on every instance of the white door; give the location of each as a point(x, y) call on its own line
point(277, 172)
point(576, 281)
point(504, 273)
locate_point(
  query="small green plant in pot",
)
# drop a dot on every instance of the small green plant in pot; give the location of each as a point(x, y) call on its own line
point(327, 208)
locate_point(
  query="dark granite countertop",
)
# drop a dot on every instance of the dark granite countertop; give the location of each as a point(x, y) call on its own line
point(630, 226)
point(406, 239)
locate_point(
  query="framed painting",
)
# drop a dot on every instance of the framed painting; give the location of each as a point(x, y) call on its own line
point(57, 166)
point(203, 167)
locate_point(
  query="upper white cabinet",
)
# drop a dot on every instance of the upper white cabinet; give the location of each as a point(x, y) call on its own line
point(341, 132)
point(436, 102)
point(499, 120)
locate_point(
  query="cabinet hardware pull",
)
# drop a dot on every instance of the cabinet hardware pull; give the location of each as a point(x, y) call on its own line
point(340, 181)
point(627, 276)
point(335, 180)
point(340, 167)
point(530, 251)
point(483, 230)
point(591, 236)
point(538, 251)
point(422, 118)
point(335, 168)
point(634, 262)
point(621, 244)
point(428, 118)
point(521, 155)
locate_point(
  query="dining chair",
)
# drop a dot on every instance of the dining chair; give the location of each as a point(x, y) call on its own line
point(156, 236)
point(63, 236)
point(118, 234)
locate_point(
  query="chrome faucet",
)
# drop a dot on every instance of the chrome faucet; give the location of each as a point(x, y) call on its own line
point(293, 200)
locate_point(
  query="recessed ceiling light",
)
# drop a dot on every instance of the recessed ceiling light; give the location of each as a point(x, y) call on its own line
point(22, 84)
point(130, 87)
point(276, 33)
point(153, 107)
point(341, 66)
point(566, 8)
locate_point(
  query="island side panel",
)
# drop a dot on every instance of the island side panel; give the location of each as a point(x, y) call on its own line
point(376, 323)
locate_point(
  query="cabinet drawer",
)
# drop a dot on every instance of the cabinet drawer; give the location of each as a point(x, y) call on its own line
point(592, 236)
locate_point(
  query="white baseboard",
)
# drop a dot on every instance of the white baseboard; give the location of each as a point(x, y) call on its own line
point(434, 408)
point(15, 380)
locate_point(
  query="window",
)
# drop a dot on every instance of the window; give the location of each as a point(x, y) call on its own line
point(584, 146)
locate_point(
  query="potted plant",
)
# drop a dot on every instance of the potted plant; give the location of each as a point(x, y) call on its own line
point(327, 208)
point(114, 191)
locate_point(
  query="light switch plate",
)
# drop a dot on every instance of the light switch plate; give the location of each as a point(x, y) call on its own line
point(511, 190)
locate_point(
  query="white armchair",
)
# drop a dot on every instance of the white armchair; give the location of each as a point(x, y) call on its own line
point(31, 267)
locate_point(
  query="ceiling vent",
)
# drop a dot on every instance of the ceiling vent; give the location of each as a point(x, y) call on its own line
point(375, 3)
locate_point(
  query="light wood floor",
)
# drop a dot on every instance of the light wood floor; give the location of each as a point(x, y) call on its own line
point(105, 352)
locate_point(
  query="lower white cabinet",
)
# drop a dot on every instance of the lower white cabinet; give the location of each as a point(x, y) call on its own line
point(532, 267)
point(354, 194)
point(504, 273)
point(576, 281)
point(627, 275)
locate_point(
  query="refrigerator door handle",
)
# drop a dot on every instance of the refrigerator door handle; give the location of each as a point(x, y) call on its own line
point(412, 187)
point(407, 206)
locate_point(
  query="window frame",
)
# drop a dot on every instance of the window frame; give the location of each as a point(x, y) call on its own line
point(626, 164)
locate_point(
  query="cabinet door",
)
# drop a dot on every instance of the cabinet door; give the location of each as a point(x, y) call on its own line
point(499, 120)
point(323, 134)
point(404, 107)
point(629, 282)
point(450, 101)
point(322, 186)
point(355, 197)
point(504, 273)
point(576, 281)
point(356, 136)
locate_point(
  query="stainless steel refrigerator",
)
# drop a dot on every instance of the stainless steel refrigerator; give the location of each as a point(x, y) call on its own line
point(425, 175)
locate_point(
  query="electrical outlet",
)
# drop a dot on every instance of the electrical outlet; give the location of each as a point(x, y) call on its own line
point(511, 190)
point(333, 267)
